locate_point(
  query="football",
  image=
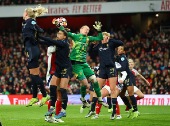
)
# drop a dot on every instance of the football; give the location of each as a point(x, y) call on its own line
point(62, 21)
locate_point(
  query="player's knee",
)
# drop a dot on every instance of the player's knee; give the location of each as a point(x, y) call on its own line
point(93, 78)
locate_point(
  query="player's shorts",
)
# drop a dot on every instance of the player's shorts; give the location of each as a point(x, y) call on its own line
point(33, 64)
point(91, 87)
point(63, 72)
point(135, 89)
point(81, 70)
point(119, 86)
point(128, 82)
point(133, 80)
point(33, 55)
point(107, 72)
point(48, 79)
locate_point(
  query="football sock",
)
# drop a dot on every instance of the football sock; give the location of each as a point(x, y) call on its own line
point(88, 101)
point(114, 102)
point(37, 79)
point(127, 109)
point(126, 101)
point(134, 103)
point(117, 109)
point(97, 89)
point(58, 107)
point(98, 108)
point(64, 98)
point(109, 102)
point(49, 104)
point(94, 101)
point(83, 91)
point(137, 98)
point(84, 106)
point(34, 86)
point(53, 95)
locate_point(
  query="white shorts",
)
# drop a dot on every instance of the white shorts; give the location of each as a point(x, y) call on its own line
point(108, 88)
point(135, 89)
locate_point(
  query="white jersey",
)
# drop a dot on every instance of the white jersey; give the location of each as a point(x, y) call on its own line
point(51, 66)
point(50, 50)
point(135, 72)
point(121, 74)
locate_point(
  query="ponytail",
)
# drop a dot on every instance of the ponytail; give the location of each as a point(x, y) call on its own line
point(36, 12)
point(65, 31)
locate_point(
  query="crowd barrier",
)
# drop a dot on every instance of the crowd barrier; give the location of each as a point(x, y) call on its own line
point(75, 100)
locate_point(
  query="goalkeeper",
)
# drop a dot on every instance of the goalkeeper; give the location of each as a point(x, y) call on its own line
point(81, 69)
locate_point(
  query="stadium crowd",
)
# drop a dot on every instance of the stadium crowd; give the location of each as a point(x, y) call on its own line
point(149, 50)
point(21, 2)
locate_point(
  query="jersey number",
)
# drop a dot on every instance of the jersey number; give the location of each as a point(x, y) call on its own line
point(27, 56)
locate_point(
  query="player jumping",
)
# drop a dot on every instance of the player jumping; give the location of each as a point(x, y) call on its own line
point(63, 70)
point(106, 50)
point(29, 34)
point(81, 69)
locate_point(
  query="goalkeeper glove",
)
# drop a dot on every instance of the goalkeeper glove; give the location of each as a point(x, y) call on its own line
point(97, 26)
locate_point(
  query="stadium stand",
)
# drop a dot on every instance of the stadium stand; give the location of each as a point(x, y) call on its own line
point(149, 49)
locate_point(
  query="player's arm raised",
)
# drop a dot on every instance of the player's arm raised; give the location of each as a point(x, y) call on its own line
point(98, 27)
point(117, 43)
point(59, 43)
point(144, 79)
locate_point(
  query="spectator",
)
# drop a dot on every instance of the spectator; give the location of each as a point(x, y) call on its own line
point(149, 49)
point(5, 92)
point(11, 90)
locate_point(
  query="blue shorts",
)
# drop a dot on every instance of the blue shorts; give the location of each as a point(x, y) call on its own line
point(33, 64)
point(33, 55)
point(107, 72)
point(129, 81)
point(91, 87)
point(63, 72)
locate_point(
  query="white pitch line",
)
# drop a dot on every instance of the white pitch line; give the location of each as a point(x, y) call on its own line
point(83, 116)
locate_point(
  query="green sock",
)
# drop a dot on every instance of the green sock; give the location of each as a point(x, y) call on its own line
point(83, 90)
point(97, 89)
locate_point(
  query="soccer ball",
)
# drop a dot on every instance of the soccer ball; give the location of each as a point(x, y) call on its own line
point(62, 21)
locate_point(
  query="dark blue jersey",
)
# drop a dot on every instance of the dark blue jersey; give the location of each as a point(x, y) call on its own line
point(106, 52)
point(124, 64)
point(29, 32)
point(62, 51)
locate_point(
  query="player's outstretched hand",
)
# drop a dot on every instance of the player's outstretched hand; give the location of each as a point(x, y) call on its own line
point(97, 26)
point(54, 21)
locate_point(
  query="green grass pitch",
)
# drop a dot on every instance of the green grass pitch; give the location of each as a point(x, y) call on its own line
point(19, 115)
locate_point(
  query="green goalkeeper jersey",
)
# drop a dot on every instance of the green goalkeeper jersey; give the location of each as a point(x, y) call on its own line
point(80, 44)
